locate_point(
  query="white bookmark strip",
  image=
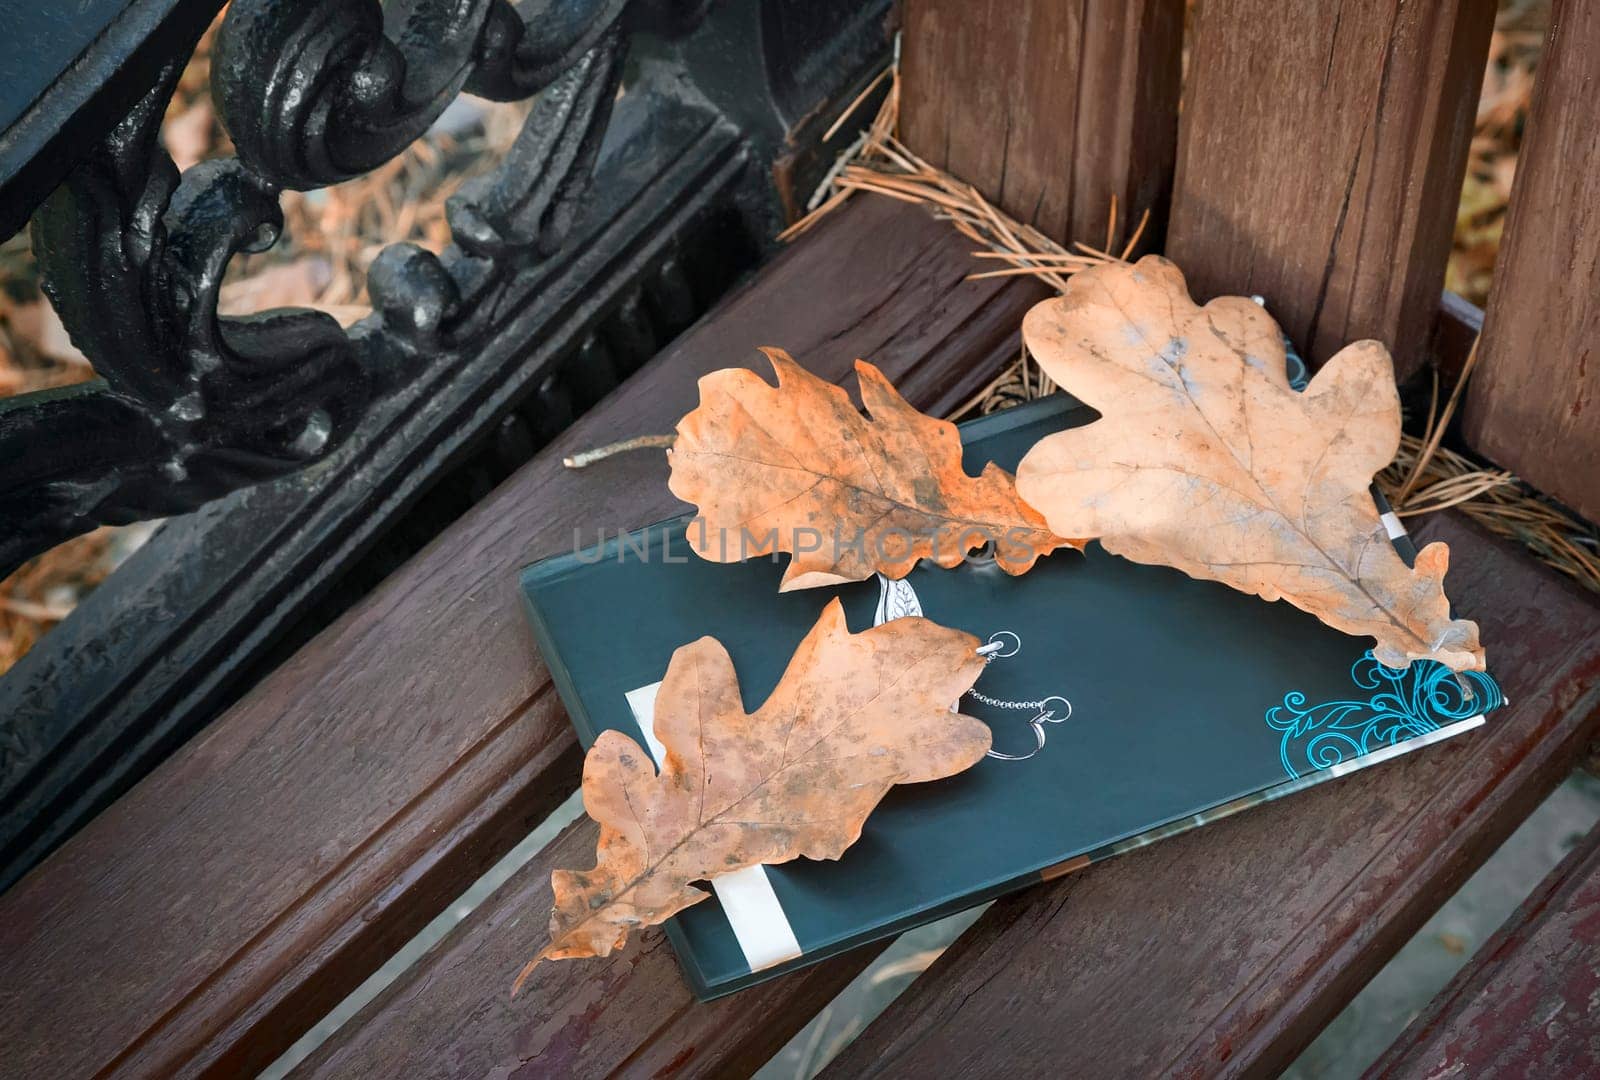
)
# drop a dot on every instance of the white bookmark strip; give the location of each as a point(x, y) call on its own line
point(1391, 525)
point(753, 910)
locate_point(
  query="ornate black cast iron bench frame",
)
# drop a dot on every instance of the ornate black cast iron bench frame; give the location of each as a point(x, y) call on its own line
point(323, 458)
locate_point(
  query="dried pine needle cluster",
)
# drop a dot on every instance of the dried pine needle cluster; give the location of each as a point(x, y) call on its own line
point(1424, 477)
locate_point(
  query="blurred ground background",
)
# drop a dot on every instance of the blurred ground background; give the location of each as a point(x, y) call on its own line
point(330, 238)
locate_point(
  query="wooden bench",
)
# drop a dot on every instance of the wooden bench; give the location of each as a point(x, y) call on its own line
point(1527, 1004)
point(221, 907)
point(232, 898)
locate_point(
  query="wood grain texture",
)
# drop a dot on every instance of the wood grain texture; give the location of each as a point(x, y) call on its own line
point(1049, 108)
point(452, 1014)
point(1534, 404)
point(1222, 952)
point(1320, 159)
point(1528, 1003)
point(230, 899)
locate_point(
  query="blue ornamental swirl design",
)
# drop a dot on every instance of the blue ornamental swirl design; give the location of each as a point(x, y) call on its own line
point(1400, 705)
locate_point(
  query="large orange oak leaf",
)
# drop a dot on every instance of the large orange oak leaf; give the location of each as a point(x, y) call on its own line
point(1206, 460)
point(796, 468)
point(853, 715)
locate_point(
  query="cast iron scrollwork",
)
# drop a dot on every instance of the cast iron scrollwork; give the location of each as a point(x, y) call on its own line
point(192, 405)
point(132, 256)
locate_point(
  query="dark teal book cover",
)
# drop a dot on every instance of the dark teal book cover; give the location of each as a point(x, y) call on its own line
point(1127, 703)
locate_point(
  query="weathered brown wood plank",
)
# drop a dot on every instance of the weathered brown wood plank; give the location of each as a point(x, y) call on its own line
point(1049, 108)
point(1320, 158)
point(452, 1014)
point(1528, 1004)
point(1224, 951)
point(1534, 405)
point(226, 903)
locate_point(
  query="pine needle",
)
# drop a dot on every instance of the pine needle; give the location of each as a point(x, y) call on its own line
point(600, 453)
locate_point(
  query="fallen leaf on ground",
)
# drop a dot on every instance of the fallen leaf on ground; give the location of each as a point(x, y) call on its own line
point(796, 468)
point(298, 283)
point(1206, 460)
point(187, 135)
point(853, 715)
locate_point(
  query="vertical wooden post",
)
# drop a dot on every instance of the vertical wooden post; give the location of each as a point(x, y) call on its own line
point(1049, 108)
point(1534, 405)
point(1320, 159)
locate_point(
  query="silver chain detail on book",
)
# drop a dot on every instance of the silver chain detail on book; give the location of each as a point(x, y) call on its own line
point(998, 704)
point(897, 599)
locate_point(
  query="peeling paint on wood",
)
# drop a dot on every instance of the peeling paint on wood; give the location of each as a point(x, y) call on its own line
point(1528, 1003)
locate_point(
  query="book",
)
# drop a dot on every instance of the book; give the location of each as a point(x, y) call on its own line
point(1127, 703)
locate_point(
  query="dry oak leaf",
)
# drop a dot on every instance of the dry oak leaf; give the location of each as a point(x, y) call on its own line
point(1206, 460)
point(853, 715)
point(796, 468)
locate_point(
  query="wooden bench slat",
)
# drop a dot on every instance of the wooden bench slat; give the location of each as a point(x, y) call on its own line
point(1320, 157)
point(1050, 109)
point(1534, 405)
point(236, 894)
point(1224, 951)
point(452, 1014)
point(1528, 1002)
